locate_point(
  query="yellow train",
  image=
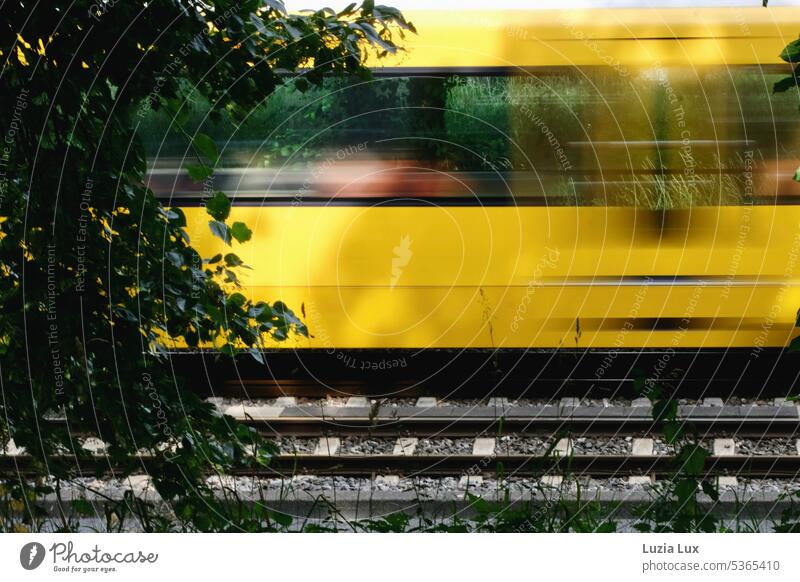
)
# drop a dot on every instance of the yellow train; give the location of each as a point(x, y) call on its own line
point(599, 178)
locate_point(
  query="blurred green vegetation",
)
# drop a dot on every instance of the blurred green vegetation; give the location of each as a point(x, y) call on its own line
point(658, 138)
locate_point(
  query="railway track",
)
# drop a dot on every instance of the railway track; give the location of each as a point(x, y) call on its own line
point(410, 466)
point(356, 437)
point(652, 466)
point(285, 417)
point(374, 457)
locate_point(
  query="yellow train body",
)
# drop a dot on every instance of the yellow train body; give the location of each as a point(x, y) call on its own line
point(519, 277)
point(376, 275)
point(473, 39)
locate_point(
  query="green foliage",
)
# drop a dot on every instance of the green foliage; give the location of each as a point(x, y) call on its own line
point(98, 278)
point(550, 512)
point(206, 146)
point(240, 232)
point(219, 206)
point(292, 127)
point(789, 521)
point(199, 173)
point(678, 507)
point(791, 54)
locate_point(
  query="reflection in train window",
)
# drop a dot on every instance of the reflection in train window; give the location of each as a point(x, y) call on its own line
point(657, 138)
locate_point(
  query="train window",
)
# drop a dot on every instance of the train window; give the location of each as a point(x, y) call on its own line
point(660, 138)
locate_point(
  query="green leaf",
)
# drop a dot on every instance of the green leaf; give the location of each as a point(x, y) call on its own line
point(685, 490)
point(220, 229)
point(692, 459)
point(257, 356)
point(199, 173)
point(233, 260)
point(479, 504)
point(206, 146)
point(794, 345)
point(791, 54)
point(293, 32)
point(710, 489)
point(673, 431)
point(281, 518)
point(174, 214)
point(276, 5)
point(231, 276)
point(797, 175)
point(179, 110)
point(654, 392)
point(215, 259)
point(175, 258)
point(237, 299)
point(192, 339)
point(261, 311)
point(347, 11)
point(257, 310)
point(219, 206)
point(784, 85)
point(665, 410)
point(301, 85)
point(259, 24)
point(240, 232)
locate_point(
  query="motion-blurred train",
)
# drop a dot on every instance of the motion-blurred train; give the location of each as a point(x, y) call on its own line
point(593, 178)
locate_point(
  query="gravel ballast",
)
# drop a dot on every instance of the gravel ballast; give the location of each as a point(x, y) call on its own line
point(366, 446)
point(602, 446)
point(444, 446)
point(766, 447)
point(297, 445)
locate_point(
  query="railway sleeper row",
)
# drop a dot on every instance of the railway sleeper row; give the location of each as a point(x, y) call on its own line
point(486, 462)
point(285, 417)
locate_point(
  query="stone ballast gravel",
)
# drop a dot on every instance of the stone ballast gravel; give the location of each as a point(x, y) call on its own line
point(766, 446)
point(444, 446)
point(297, 445)
point(531, 402)
point(519, 444)
point(366, 446)
point(432, 487)
point(512, 444)
point(425, 485)
point(606, 446)
point(661, 447)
